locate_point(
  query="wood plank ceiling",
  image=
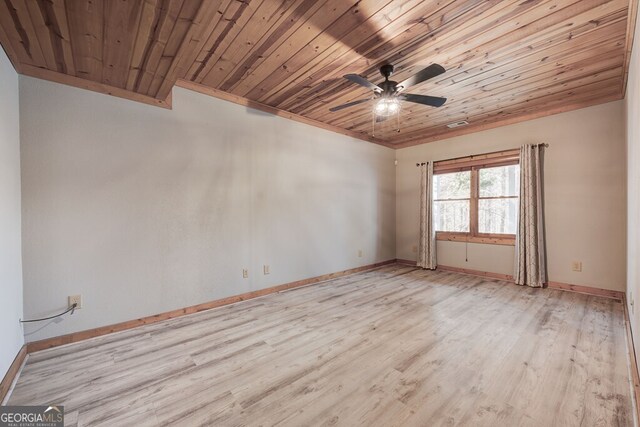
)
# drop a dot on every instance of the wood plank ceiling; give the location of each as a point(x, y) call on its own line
point(506, 60)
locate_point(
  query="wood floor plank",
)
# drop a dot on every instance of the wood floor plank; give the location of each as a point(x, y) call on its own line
point(393, 346)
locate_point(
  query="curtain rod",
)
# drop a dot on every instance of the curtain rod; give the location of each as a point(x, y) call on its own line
point(532, 145)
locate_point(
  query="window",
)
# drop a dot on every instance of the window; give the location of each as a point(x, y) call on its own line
point(498, 199)
point(475, 199)
point(451, 201)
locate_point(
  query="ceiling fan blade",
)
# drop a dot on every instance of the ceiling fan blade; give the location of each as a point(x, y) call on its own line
point(362, 82)
point(433, 101)
point(348, 104)
point(430, 72)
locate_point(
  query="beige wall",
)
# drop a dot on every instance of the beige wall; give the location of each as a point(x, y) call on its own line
point(632, 104)
point(11, 338)
point(143, 210)
point(585, 195)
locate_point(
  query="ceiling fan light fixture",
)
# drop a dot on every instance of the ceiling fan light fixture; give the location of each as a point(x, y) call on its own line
point(387, 106)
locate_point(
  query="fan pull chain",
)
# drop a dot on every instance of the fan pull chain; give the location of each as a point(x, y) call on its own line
point(373, 124)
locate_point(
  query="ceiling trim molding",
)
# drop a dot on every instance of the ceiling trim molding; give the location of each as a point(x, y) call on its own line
point(505, 122)
point(65, 79)
point(628, 45)
point(236, 99)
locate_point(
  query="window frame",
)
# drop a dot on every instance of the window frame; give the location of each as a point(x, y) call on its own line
point(474, 164)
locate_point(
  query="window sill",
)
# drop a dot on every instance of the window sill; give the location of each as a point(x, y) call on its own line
point(487, 240)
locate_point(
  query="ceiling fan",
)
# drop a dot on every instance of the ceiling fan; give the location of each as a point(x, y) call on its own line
point(389, 93)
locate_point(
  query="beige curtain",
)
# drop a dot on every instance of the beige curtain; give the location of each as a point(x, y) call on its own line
point(427, 243)
point(530, 260)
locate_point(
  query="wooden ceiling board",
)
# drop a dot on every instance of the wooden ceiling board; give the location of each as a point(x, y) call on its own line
point(506, 60)
point(330, 75)
point(267, 45)
point(465, 60)
point(413, 117)
point(510, 76)
point(306, 30)
point(148, 20)
point(267, 24)
point(86, 25)
point(444, 25)
point(366, 120)
point(527, 52)
point(30, 14)
point(314, 40)
point(209, 38)
point(21, 35)
point(510, 84)
point(461, 108)
point(322, 65)
point(8, 48)
point(166, 14)
point(180, 36)
point(193, 42)
point(119, 40)
point(234, 19)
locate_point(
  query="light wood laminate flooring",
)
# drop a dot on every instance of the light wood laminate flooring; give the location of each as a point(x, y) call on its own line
point(396, 346)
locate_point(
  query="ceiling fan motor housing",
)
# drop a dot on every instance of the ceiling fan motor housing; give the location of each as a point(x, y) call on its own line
point(388, 87)
point(386, 70)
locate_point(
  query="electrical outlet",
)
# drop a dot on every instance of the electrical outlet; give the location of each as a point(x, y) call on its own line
point(359, 253)
point(245, 273)
point(75, 299)
point(576, 266)
point(265, 269)
point(414, 249)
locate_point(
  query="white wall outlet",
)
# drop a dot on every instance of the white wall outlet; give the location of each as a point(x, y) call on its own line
point(359, 253)
point(265, 269)
point(75, 299)
point(245, 273)
point(576, 266)
point(414, 249)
